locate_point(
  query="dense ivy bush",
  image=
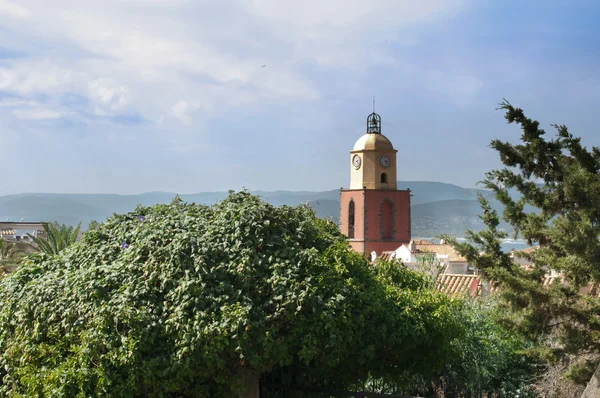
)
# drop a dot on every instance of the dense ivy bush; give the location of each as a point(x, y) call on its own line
point(190, 300)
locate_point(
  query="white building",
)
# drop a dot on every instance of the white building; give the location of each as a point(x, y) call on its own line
point(443, 254)
point(520, 257)
point(18, 231)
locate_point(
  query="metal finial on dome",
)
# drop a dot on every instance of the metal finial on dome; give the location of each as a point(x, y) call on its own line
point(374, 124)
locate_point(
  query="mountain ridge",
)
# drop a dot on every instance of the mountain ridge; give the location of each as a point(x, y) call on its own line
point(436, 207)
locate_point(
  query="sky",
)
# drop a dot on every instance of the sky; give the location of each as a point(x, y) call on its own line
point(132, 96)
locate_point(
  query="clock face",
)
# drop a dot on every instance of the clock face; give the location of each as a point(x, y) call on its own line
point(356, 161)
point(384, 161)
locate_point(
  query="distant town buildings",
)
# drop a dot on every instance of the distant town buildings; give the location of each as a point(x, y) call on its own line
point(443, 254)
point(18, 231)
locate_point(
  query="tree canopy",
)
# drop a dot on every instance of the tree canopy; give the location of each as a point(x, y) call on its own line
point(549, 188)
point(192, 300)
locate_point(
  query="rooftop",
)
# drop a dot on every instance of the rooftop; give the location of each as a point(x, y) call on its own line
point(373, 142)
point(526, 251)
point(458, 284)
point(444, 249)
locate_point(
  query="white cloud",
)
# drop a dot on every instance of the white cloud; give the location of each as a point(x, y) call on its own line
point(6, 78)
point(36, 114)
point(13, 10)
point(35, 76)
point(181, 111)
point(340, 33)
point(108, 95)
point(16, 103)
point(171, 57)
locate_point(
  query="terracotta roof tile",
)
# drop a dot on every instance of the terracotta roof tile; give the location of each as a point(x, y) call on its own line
point(458, 284)
point(591, 290)
point(527, 250)
point(549, 280)
point(461, 285)
point(412, 251)
point(387, 255)
point(443, 249)
point(422, 242)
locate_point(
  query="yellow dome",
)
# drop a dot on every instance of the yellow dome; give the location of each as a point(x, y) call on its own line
point(373, 141)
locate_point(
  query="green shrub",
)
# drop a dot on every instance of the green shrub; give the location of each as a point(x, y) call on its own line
point(188, 300)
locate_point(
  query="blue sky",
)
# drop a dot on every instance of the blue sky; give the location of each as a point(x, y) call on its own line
point(130, 96)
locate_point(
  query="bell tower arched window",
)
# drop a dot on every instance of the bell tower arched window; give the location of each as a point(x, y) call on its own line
point(383, 178)
point(387, 220)
point(351, 220)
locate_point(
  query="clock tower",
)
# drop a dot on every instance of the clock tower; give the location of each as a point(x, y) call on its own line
point(374, 214)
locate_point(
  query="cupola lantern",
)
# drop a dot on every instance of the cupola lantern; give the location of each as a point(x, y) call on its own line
point(374, 124)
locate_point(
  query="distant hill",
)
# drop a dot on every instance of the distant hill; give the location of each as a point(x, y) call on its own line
point(326, 208)
point(436, 207)
point(428, 191)
point(452, 217)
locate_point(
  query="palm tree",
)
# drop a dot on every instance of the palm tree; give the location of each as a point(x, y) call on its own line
point(57, 237)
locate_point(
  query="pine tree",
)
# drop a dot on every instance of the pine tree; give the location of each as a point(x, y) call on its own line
point(558, 208)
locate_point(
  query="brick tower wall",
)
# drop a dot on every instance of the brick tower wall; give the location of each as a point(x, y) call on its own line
point(368, 219)
point(358, 197)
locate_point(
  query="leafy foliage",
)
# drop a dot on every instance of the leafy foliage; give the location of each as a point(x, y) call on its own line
point(489, 357)
point(189, 300)
point(8, 250)
point(484, 355)
point(58, 237)
point(559, 179)
point(93, 224)
point(10, 256)
point(430, 267)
